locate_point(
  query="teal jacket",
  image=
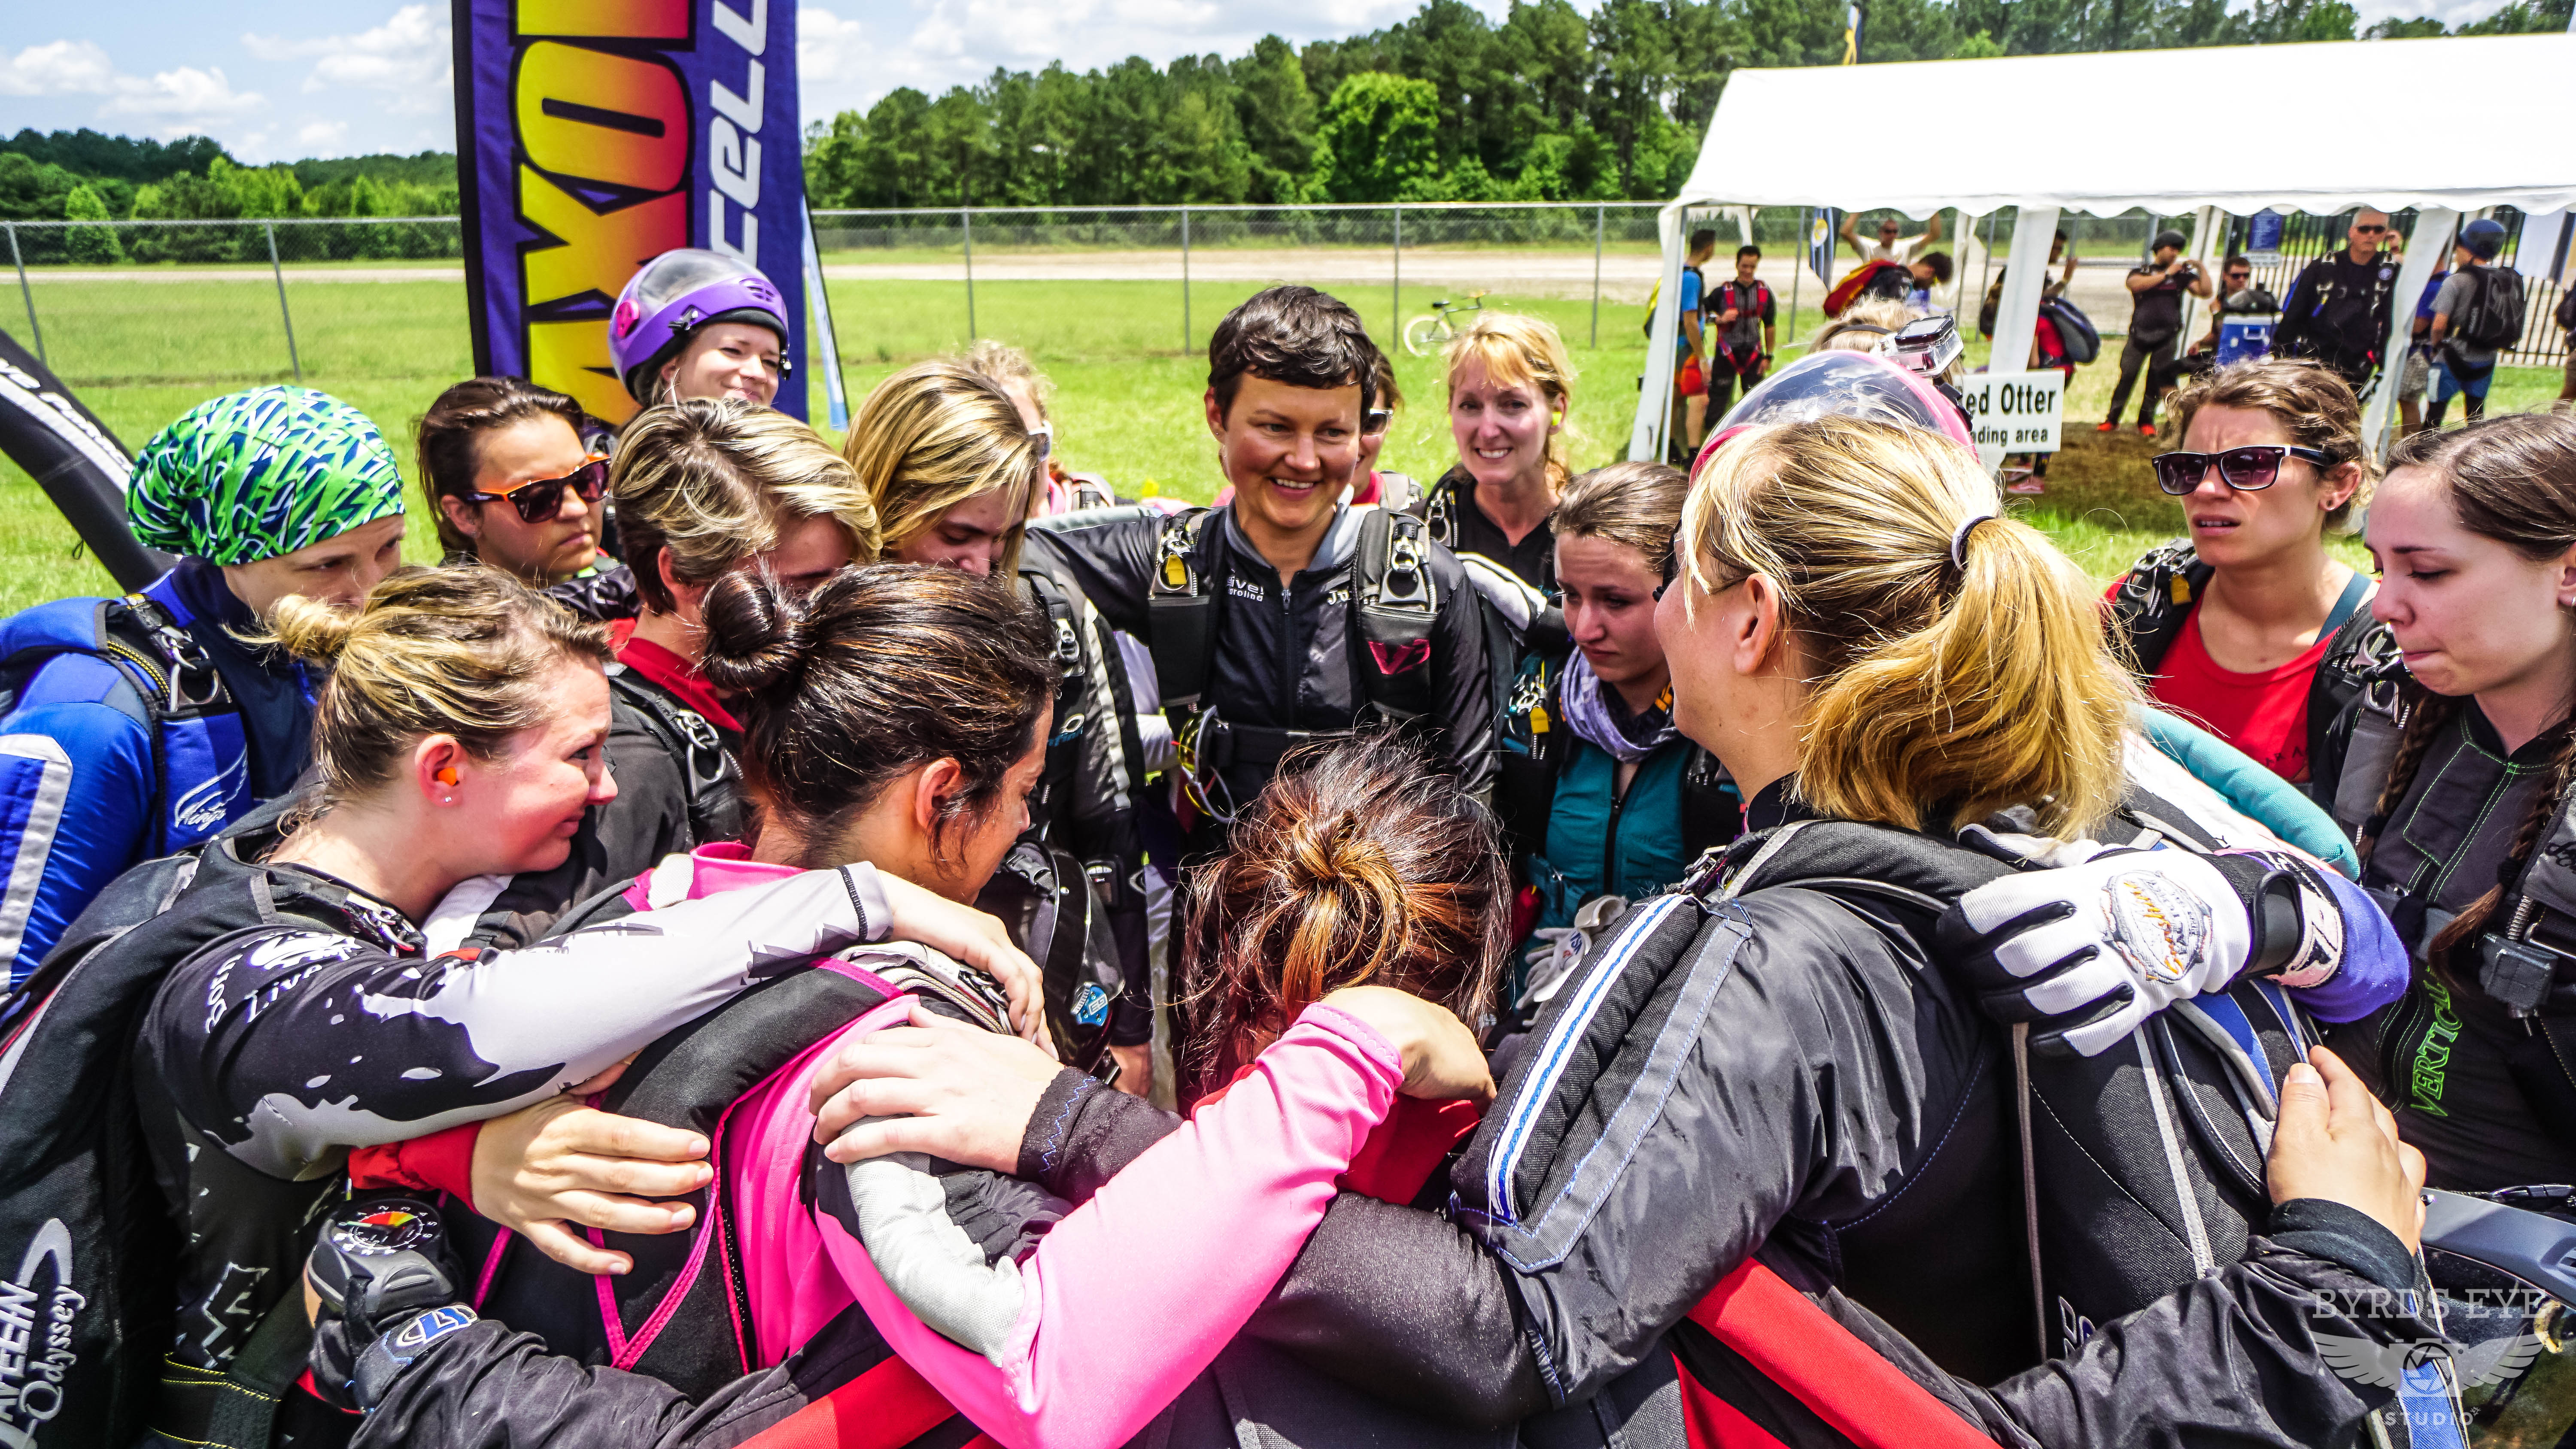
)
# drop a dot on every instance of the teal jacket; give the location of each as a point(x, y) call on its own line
point(1601, 842)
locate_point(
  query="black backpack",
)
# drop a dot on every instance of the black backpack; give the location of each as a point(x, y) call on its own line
point(2075, 331)
point(2494, 314)
point(86, 1233)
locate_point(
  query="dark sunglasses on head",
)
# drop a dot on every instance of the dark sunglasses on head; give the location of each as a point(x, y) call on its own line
point(540, 500)
point(2247, 470)
point(2370, 230)
point(2240, 276)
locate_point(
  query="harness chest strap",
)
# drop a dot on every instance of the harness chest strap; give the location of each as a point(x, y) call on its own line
point(1393, 605)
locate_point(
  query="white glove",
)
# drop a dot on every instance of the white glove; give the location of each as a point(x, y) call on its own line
point(2088, 951)
point(1550, 940)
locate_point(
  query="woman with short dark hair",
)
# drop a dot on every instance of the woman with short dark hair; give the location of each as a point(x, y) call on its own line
point(511, 483)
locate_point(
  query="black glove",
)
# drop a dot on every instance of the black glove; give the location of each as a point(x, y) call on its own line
point(387, 1283)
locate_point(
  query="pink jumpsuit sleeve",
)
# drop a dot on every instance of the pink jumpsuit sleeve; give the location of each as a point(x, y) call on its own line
point(1190, 1238)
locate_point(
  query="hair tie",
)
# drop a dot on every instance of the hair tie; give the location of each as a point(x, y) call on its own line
point(1959, 540)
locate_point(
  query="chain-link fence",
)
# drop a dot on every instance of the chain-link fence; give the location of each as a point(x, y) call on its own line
point(210, 305)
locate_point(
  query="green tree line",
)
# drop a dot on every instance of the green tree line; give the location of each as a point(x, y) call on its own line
point(1546, 104)
point(84, 176)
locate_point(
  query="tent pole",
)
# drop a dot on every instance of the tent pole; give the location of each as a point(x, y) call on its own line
point(2426, 249)
point(2025, 279)
point(1986, 261)
point(1655, 389)
point(2205, 232)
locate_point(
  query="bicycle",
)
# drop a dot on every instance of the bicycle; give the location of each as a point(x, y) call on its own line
point(1420, 332)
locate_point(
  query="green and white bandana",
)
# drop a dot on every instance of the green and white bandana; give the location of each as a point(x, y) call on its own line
point(252, 475)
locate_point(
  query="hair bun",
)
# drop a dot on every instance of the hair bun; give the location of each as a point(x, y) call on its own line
point(755, 635)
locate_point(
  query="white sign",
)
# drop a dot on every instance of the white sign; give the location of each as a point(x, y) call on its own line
point(2014, 412)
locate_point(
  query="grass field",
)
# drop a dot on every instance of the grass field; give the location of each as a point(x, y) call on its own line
point(1127, 399)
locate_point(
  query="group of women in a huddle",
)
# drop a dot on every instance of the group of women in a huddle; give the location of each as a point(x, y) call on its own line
point(639, 935)
point(1828, 580)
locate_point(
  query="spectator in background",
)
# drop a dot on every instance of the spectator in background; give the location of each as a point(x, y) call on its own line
point(1745, 316)
point(1690, 376)
point(2237, 297)
point(2461, 365)
point(1892, 245)
point(2566, 315)
point(1931, 270)
point(1010, 369)
point(2337, 311)
point(2416, 378)
point(510, 481)
point(2047, 350)
point(2155, 324)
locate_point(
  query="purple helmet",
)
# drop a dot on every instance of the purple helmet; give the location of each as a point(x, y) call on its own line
point(1849, 385)
point(674, 295)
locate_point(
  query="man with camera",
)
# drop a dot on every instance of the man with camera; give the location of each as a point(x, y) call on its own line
point(2155, 325)
point(2337, 311)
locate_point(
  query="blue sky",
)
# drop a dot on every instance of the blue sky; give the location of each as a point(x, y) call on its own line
point(276, 81)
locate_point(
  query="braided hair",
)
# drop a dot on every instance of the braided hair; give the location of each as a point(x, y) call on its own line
point(2424, 715)
point(2473, 921)
point(2512, 479)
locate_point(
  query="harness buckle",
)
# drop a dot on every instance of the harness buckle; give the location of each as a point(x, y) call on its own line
point(2515, 968)
point(194, 683)
point(1405, 582)
point(702, 741)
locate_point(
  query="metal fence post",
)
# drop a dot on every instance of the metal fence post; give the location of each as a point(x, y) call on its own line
point(25, 292)
point(1986, 261)
point(1185, 280)
point(1798, 266)
point(1395, 293)
point(966, 229)
point(285, 316)
point(1600, 221)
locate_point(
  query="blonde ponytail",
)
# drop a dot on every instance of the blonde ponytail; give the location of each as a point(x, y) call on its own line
point(1938, 691)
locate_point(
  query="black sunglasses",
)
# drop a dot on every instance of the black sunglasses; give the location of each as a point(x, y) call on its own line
point(540, 500)
point(2249, 469)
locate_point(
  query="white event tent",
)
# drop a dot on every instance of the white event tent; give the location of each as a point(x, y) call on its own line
point(2444, 125)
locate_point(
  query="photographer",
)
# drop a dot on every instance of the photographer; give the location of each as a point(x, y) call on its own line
point(2337, 311)
point(2155, 322)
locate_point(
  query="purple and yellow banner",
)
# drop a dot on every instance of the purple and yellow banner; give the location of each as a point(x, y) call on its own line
point(594, 135)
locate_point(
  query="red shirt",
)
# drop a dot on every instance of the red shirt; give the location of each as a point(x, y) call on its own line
point(671, 672)
point(2265, 714)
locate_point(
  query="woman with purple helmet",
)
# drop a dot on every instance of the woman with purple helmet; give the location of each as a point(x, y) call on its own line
point(697, 323)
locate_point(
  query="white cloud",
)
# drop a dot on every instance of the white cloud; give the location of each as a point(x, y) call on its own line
point(409, 55)
point(176, 102)
point(827, 47)
point(180, 102)
point(63, 67)
point(321, 138)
